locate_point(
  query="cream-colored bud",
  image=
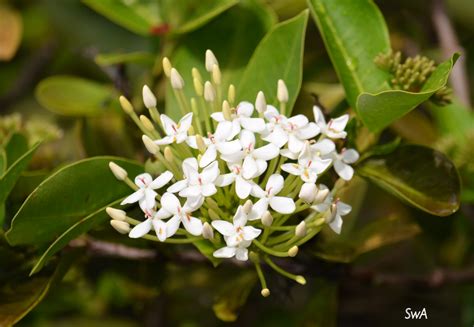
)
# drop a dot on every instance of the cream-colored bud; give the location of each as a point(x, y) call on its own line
point(118, 171)
point(200, 143)
point(196, 75)
point(116, 214)
point(191, 128)
point(167, 67)
point(149, 98)
point(231, 93)
point(247, 207)
point(267, 218)
point(293, 251)
point(300, 230)
point(126, 105)
point(147, 123)
point(168, 154)
point(198, 88)
point(177, 81)
point(213, 215)
point(226, 110)
point(209, 93)
point(207, 231)
point(210, 60)
point(300, 280)
point(308, 192)
point(120, 226)
point(216, 75)
point(212, 203)
point(260, 102)
point(282, 92)
point(151, 146)
point(321, 195)
point(265, 292)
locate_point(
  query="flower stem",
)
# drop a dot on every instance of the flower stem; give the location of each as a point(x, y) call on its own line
point(272, 252)
point(281, 271)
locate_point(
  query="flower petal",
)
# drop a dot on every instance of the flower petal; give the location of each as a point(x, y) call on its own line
point(282, 204)
point(150, 198)
point(210, 173)
point(191, 191)
point(338, 124)
point(168, 125)
point(170, 203)
point(165, 140)
point(323, 147)
point(350, 156)
point(244, 108)
point(258, 209)
point(249, 233)
point(308, 132)
point(162, 214)
point(193, 225)
point(185, 122)
point(256, 125)
point(298, 120)
point(223, 227)
point(226, 179)
point(345, 171)
point(242, 187)
point(160, 229)
point(292, 168)
point(178, 186)
point(278, 137)
point(223, 131)
point(218, 116)
point(161, 180)
point(247, 139)
point(172, 225)
point(266, 152)
point(295, 145)
point(208, 189)
point(242, 254)
point(343, 208)
point(141, 229)
point(307, 192)
point(208, 156)
point(225, 252)
point(249, 168)
point(274, 184)
point(134, 197)
point(336, 224)
point(143, 180)
point(319, 117)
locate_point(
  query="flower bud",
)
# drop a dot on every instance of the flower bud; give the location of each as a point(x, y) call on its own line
point(300, 230)
point(168, 154)
point(118, 171)
point(116, 214)
point(247, 207)
point(308, 192)
point(196, 75)
point(216, 75)
point(177, 81)
point(213, 215)
point(210, 60)
point(147, 123)
point(198, 88)
point(207, 231)
point(231, 93)
point(260, 102)
point(126, 105)
point(300, 280)
point(209, 93)
point(293, 251)
point(120, 226)
point(265, 292)
point(267, 218)
point(191, 128)
point(149, 98)
point(321, 194)
point(167, 67)
point(151, 146)
point(282, 92)
point(200, 143)
point(226, 110)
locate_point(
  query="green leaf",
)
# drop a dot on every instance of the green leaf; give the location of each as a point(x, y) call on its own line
point(278, 56)
point(233, 36)
point(138, 16)
point(453, 120)
point(67, 197)
point(184, 16)
point(3, 161)
point(17, 145)
point(138, 57)
point(379, 110)
point(73, 96)
point(354, 33)
point(421, 176)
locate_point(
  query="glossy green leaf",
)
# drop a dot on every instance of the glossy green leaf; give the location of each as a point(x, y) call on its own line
point(138, 57)
point(73, 96)
point(67, 197)
point(278, 56)
point(3, 161)
point(379, 110)
point(137, 16)
point(354, 33)
point(17, 145)
point(233, 36)
point(423, 177)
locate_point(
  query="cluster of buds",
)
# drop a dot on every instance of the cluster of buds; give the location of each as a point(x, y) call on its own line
point(240, 176)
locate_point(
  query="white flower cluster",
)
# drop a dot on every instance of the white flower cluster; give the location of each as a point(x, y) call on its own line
point(245, 172)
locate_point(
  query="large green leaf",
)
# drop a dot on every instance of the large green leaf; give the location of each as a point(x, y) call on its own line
point(278, 56)
point(423, 177)
point(354, 33)
point(233, 37)
point(73, 96)
point(17, 145)
point(136, 16)
point(67, 197)
point(377, 111)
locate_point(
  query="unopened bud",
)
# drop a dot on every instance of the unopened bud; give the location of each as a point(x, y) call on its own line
point(300, 280)
point(267, 218)
point(147, 123)
point(308, 192)
point(168, 154)
point(213, 215)
point(191, 128)
point(321, 194)
point(116, 214)
point(247, 207)
point(265, 292)
point(149, 98)
point(196, 75)
point(126, 105)
point(226, 110)
point(210, 60)
point(209, 93)
point(216, 74)
point(167, 67)
point(207, 231)
point(260, 102)
point(231, 93)
point(200, 143)
point(118, 171)
point(198, 88)
point(300, 230)
point(293, 251)
point(151, 146)
point(177, 81)
point(282, 92)
point(120, 226)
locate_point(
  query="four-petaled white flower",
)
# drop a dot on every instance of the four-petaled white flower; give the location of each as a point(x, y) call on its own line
point(161, 228)
point(242, 186)
point(175, 132)
point(171, 207)
point(342, 161)
point(237, 236)
point(145, 195)
point(241, 118)
point(269, 196)
point(334, 128)
point(334, 212)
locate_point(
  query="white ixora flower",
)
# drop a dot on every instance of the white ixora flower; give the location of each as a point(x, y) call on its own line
point(161, 228)
point(242, 118)
point(243, 186)
point(334, 128)
point(254, 160)
point(171, 207)
point(342, 161)
point(175, 132)
point(333, 212)
point(196, 185)
point(145, 195)
point(237, 236)
point(268, 197)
